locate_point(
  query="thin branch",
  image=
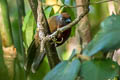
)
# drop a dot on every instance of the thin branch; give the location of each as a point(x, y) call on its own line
point(103, 1)
point(91, 3)
point(64, 5)
point(83, 58)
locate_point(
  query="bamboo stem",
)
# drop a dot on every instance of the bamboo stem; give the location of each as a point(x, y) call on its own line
point(7, 40)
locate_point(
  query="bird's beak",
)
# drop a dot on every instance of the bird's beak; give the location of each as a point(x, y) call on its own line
point(68, 20)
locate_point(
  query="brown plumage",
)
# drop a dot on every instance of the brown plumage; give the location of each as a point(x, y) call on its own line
point(34, 57)
point(56, 22)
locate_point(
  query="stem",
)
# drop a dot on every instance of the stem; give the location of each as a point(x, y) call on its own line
point(6, 32)
point(33, 5)
point(7, 40)
point(21, 14)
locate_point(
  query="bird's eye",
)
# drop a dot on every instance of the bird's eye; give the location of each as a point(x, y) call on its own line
point(68, 20)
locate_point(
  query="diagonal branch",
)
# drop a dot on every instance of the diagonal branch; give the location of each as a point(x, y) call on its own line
point(69, 25)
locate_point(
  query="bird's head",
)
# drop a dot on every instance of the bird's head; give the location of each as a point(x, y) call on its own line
point(64, 19)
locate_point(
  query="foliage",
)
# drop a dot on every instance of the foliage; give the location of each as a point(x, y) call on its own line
point(29, 27)
point(66, 70)
point(99, 70)
point(105, 40)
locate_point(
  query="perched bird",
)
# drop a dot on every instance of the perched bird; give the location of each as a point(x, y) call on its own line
point(34, 57)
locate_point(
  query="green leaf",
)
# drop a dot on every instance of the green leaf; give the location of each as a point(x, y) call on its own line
point(49, 11)
point(4, 71)
point(111, 23)
point(99, 70)
point(1, 45)
point(19, 70)
point(62, 1)
point(64, 71)
point(72, 55)
point(107, 38)
point(28, 28)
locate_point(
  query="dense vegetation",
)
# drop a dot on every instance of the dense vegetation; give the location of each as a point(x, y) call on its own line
point(90, 53)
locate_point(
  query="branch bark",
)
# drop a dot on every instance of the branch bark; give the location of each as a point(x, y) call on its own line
point(43, 28)
point(33, 5)
point(83, 30)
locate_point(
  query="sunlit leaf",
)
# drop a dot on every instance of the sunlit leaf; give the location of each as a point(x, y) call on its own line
point(49, 11)
point(72, 55)
point(28, 28)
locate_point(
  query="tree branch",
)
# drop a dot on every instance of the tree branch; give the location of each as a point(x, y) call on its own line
point(103, 1)
point(91, 3)
point(43, 28)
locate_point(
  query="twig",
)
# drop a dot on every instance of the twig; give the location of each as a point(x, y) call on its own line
point(84, 58)
point(103, 1)
point(64, 5)
point(91, 3)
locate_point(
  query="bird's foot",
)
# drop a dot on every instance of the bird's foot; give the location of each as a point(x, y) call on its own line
point(58, 42)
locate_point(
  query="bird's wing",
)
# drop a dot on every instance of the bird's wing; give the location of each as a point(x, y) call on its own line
point(39, 57)
point(30, 56)
point(34, 58)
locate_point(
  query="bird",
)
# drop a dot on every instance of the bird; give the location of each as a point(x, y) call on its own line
point(34, 57)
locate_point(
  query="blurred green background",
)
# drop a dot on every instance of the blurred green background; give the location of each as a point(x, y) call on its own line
point(23, 28)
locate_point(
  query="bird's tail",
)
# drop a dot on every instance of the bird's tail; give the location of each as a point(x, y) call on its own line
point(34, 58)
point(37, 61)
